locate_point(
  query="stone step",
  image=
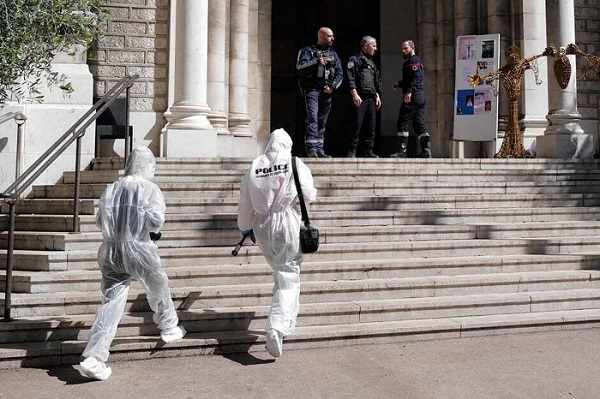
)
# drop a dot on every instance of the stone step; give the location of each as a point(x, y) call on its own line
point(235, 274)
point(430, 204)
point(243, 164)
point(86, 259)
point(334, 188)
point(38, 328)
point(166, 175)
point(51, 206)
point(391, 290)
point(89, 280)
point(228, 221)
point(194, 256)
point(68, 351)
point(173, 235)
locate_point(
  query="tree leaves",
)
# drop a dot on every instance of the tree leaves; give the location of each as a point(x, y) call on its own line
point(32, 32)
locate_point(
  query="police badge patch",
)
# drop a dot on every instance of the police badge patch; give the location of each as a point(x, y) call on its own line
point(350, 64)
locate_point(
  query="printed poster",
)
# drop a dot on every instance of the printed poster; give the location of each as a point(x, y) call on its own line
point(476, 108)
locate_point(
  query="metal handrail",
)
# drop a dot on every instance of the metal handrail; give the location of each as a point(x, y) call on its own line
point(12, 194)
point(17, 115)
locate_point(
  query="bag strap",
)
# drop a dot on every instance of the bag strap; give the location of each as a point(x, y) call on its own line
point(300, 195)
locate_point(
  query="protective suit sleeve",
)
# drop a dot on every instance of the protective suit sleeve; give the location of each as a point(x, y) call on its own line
point(245, 208)
point(156, 208)
point(306, 182)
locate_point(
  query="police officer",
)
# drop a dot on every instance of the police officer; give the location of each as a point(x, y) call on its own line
point(412, 109)
point(320, 73)
point(364, 81)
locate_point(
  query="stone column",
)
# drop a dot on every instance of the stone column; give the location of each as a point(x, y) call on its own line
point(426, 29)
point(239, 121)
point(564, 137)
point(263, 117)
point(217, 91)
point(465, 23)
point(445, 77)
point(188, 131)
point(534, 99)
point(499, 21)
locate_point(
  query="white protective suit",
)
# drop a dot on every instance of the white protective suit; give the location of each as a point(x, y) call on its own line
point(268, 196)
point(129, 210)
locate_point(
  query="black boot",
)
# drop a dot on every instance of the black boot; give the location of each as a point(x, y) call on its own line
point(370, 154)
point(402, 150)
point(425, 150)
point(351, 153)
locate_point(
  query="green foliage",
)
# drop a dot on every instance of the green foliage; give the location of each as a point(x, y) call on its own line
point(32, 32)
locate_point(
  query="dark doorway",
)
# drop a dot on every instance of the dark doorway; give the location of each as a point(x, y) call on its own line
point(295, 25)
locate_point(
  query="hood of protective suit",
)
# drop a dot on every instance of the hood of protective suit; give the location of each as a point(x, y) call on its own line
point(141, 163)
point(279, 141)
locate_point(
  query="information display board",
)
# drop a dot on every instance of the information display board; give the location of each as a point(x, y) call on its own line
point(476, 108)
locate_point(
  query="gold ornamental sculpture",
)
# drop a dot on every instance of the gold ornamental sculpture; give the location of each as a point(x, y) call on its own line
point(511, 76)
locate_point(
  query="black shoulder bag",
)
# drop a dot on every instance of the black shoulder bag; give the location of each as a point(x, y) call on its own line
point(309, 235)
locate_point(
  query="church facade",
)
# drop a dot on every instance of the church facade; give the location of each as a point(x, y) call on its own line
point(216, 76)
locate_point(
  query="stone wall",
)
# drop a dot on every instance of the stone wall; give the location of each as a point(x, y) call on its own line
point(587, 33)
point(136, 42)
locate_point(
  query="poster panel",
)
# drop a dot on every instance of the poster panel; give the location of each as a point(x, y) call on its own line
point(475, 108)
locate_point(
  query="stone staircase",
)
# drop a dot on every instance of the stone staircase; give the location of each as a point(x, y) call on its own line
point(411, 249)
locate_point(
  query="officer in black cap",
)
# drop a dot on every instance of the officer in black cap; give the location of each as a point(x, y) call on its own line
point(364, 81)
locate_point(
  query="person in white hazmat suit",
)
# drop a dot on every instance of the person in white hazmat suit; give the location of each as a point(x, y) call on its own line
point(268, 196)
point(129, 210)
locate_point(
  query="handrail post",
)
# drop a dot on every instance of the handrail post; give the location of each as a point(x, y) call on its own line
point(20, 119)
point(127, 123)
point(9, 259)
point(76, 225)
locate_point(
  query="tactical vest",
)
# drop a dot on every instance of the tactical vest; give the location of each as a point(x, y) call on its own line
point(368, 75)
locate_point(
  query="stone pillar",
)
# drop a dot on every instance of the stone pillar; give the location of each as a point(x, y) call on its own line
point(217, 92)
point(499, 21)
point(444, 92)
point(188, 132)
point(427, 28)
point(263, 80)
point(534, 99)
point(239, 121)
point(564, 137)
point(465, 23)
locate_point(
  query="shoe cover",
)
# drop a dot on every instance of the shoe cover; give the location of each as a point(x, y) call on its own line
point(274, 343)
point(173, 334)
point(95, 369)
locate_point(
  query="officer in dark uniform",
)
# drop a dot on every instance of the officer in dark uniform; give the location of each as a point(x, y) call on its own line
point(412, 109)
point(364, 81)
point(320, 73)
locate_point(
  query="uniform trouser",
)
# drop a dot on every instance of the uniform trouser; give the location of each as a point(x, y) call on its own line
point(281, 249)
point(318, 105)
point(413, 112)
point(364, 119)
point(115, 286)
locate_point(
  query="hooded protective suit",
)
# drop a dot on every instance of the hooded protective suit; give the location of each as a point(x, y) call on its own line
point(267, 199)
point(129, 210)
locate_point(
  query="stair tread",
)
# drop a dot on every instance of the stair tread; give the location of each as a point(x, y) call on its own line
point(312, 333)
point(265, 289)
